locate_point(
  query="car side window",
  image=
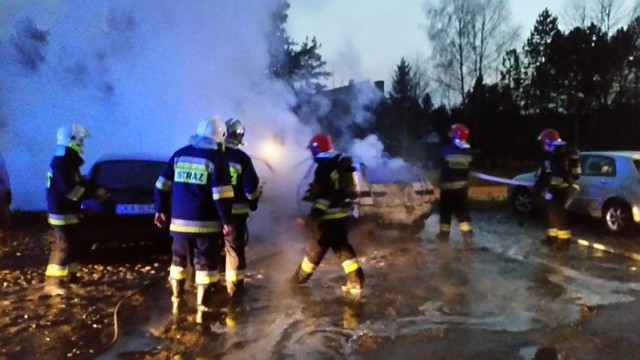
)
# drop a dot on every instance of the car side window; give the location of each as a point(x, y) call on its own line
point(598, 165)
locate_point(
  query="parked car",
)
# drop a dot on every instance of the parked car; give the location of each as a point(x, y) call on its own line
point(5, 197)
point(609, 189)
point(126, 214)
point(392, 195)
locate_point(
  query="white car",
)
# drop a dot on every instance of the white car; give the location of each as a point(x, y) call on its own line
point(609, 189)
point(392, 195)
point(5, 196)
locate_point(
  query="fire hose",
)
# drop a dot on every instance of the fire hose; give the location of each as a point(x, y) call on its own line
point(501, 180)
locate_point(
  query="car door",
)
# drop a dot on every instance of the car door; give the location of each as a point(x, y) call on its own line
point(597, 180)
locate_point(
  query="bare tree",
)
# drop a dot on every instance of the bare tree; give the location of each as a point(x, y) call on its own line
point(419, 77)
point(607, 14)
point(576, 14)
point(491, 35)
point(468, 37)
point(448, 30)
point(610, 14)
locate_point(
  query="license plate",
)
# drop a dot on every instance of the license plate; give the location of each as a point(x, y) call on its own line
point(134, 209)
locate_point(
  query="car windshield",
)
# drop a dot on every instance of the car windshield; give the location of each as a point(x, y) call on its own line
point(127, 174)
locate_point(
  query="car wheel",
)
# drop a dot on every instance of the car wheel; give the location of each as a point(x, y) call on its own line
point(522, 200)
point(617, 216)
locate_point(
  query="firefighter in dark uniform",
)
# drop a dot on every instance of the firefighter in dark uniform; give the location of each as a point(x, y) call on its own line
point(556, 183)
point(247, 191)
point(330, 214)
point(66, 187)
point(193, 198)
point(454, 184)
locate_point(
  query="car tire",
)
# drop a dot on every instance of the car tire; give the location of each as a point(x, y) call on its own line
point(522, 200)
point(617, 217)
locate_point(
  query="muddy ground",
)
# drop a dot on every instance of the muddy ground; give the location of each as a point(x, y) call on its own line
point(36, 326)
point(507, 298)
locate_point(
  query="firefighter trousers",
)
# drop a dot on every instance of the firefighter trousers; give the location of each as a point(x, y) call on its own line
point(332, 234)
point(67, 249)
point(205, 250)
point(233, 261)
point(455, 202)
point(557, 219)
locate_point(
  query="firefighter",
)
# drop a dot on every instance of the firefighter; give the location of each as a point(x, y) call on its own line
point(193, 198)
point(455, 160)
point(331, 192)
point(66, 188)
point(247, 191)
point(555, 182)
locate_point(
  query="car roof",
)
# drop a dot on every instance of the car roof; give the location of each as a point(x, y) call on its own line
point(132, 156)
point(623, 153)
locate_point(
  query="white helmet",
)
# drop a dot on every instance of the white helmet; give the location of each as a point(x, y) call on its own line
point(73, 134)
point(213, 129)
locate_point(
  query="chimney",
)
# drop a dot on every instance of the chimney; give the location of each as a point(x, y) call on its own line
point(379, 85)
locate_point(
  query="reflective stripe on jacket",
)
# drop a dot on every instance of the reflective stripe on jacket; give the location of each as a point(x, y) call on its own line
point(196, 185)
point(66, 187)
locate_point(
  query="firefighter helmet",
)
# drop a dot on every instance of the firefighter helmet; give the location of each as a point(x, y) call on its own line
point(459, 132)
point(320, 143)
point(72, 135)
point(213, 128)
point(235, 131)
point(550, 137)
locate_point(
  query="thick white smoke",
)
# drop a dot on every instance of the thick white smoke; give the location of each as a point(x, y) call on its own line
point(139, 76)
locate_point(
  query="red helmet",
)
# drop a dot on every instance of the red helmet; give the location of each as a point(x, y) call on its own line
point(320, 143)
point(550, 137)
point(459, 132)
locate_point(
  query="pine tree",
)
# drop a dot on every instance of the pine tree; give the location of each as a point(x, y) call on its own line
point(536, 51)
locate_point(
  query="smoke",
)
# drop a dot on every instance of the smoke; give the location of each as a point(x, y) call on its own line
point(140, 77)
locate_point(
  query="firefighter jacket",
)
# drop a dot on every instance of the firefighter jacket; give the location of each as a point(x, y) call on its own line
point(560, 169)
point(66, 187)
point(245, 181)
point(455, 163)
point(195, 188)
point(329, 200)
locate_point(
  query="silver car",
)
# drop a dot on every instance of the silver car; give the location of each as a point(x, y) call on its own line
point(609, 189)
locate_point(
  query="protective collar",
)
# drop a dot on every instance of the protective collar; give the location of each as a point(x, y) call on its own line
point(203, 142)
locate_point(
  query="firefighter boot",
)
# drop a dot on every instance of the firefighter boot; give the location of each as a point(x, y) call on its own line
point(443, 236)
point(201, 297)
point(303, 273)
point(352, 288)
point(562, 245)
point(53, 286)
point(177, 289)
point(355, 283)
point(467, 238)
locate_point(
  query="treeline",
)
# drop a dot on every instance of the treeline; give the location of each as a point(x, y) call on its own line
point(583, 82)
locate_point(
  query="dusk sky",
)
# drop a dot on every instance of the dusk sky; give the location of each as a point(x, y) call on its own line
point(123, 69)
point(365, 39)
